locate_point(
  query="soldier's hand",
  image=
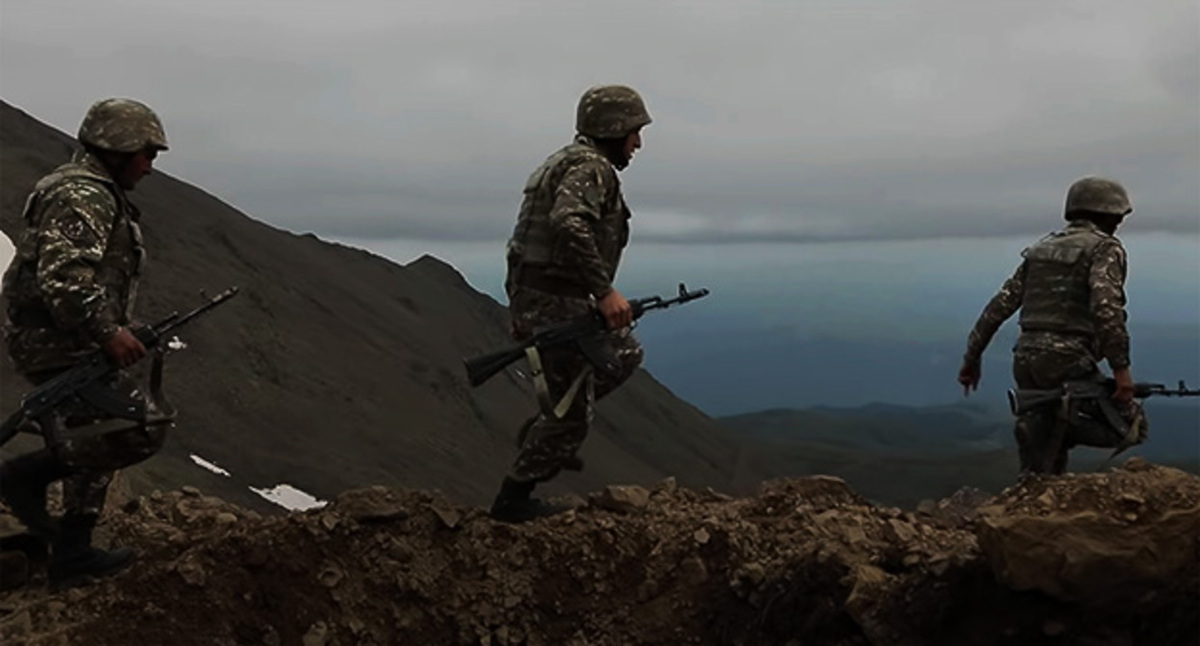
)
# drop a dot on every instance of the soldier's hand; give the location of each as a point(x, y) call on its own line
point(969, 375)
point(124, 348)
point(616, 310)
point(1124, 390)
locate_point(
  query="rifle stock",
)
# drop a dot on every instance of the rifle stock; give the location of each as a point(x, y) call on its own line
point(1023, 401)
point(484, 367)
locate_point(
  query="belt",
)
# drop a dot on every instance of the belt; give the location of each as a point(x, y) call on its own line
point(536, 277)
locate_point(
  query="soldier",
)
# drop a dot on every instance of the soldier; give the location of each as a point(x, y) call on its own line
point(70, 290)
point(1070, 289)
point(562, 260)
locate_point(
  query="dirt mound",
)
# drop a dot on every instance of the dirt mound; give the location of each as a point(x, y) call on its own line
point(1110, 539)
point(806, 561)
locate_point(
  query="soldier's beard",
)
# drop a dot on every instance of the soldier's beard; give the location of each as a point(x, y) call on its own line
point(1108, 223)
point(614, 151)
point(119, 166)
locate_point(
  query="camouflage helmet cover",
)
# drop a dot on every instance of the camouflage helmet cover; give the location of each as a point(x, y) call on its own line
point(1097, 195)
point(609, 111)
point(122, 125)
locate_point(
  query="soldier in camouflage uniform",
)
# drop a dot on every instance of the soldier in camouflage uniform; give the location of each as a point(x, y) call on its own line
point(1070, 289)
point(562, 260)
point(70, 290)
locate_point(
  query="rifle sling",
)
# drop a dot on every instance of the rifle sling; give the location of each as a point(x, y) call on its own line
point(549, 408)
point(159, 406)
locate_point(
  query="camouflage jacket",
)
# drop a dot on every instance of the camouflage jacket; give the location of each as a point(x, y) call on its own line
point(1070, 289)
point(572, 227)
point(74, 277)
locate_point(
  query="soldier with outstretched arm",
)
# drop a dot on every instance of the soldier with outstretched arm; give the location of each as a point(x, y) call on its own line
point(562, 260)
point(70, 293)
point(1070, 290)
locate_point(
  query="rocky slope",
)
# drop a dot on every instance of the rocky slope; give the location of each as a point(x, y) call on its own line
point(1096, 559)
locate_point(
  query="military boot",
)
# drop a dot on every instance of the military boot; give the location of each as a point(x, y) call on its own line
point(73, 556)
point(513, 504)
point(23, 483)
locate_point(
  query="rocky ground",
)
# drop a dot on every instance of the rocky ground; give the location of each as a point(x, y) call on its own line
point(1098, 559)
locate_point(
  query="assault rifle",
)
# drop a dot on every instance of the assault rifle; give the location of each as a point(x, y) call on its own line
point(584, 333)
point(85, 379)
point(1023, 401)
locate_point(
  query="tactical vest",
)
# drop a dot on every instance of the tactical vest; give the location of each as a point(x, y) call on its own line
point(118, 272)
point(533, 240)
point(1057, 289)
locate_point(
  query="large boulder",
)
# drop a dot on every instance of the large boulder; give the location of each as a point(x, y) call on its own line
point(1101, 539)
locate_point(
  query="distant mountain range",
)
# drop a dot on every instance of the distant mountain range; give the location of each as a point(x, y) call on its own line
point(901, 455)
point(729, 370)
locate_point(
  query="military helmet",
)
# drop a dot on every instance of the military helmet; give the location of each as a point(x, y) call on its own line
point(1097, 195)
point(123, 126)
point(609, 111)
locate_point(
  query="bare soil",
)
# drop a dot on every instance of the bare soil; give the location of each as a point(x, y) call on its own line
point(805, 561)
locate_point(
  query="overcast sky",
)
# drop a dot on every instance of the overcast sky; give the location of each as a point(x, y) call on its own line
point(773, 120)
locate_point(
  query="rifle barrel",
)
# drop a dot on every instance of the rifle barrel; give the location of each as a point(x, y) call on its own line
point(175, 320)
point(482, 368)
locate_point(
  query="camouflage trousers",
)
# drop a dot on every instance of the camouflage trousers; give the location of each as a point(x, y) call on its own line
point(550, 442)
point(93, 445)
point(1044, 438)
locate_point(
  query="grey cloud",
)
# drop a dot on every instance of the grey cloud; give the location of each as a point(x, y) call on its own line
point(779, 121)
